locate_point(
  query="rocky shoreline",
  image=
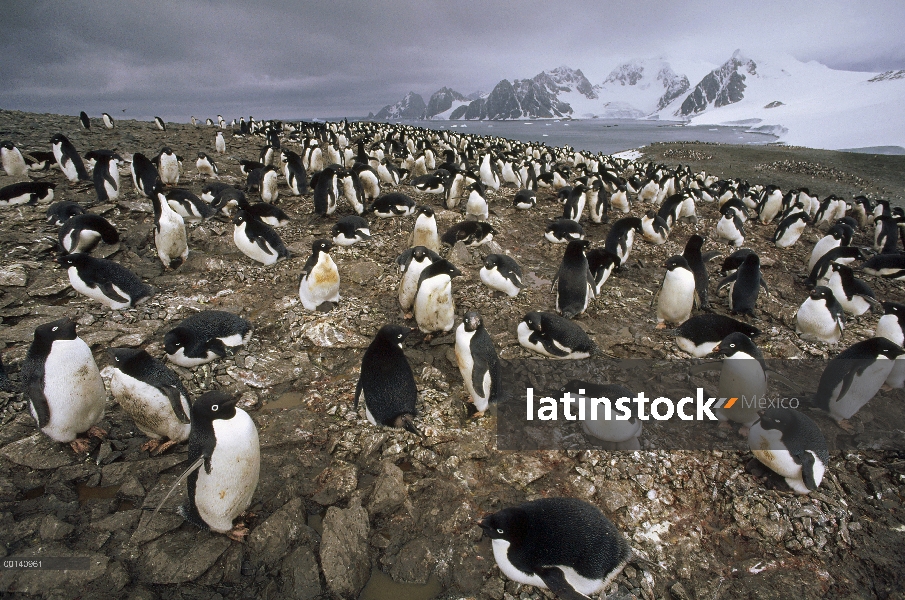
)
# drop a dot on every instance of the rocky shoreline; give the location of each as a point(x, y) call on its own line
point(338, 497)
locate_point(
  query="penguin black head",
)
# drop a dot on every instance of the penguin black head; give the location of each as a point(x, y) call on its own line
point(58, 138)
point(533, 320)
point(695, 242)
point(491, 261)
point(472, 321)
point(8, 145)
point(166, 150)
point(849, 221)
point(202, 155)
point(175, 339)
point(577, 247)
point(318, 246)
point(441, 267)
point(894, 308)
point(427, 211)
point(241, 217)
point(736, 342)
point(393, 334)
point(821, 293)
point(510, 524)
point(676, 262)
point(777, 418)
point(62, 329)
point(121, 356)
point(213, 405)
point(70, 260)
point(752, 261)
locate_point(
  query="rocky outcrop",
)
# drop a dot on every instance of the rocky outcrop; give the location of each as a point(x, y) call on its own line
point(523, 98)
point(442, 100)
point(410, 107)
point(720, 87)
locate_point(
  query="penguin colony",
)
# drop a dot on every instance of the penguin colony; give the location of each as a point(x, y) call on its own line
point(349, 175)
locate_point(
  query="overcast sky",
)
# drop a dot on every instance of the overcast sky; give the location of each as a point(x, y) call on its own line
point(304, 59)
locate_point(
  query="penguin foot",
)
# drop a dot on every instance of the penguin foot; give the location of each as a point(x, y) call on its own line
point(408, 316)
point(96, 432)
point(156, 448)
point(238, 532)
point(661, 325)
point(80, 445)
point(846, 426)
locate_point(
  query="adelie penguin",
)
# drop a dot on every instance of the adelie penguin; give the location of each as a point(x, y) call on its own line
point(152, 395)
point(697, 262)
point(189, 206)
point(554, 336)
point(349, 230)
point(614, 433)
point(853, 295)
point(425, 231)
point(888, 266)
point(820, 317)
point(326, 190)
point(319, 279)
point(63, 385)
point(167, 166)
point(60, 212)
point(855, 376)
point(294, 172)
point(109, 123)
point(791, 444)
point(27, 192)
point(106, 175)
point(12, 160)
point(206, 167)
point(601, 262)
point(837, 235)
point(654, 229)
point(744, 286)
point(503, 274)
point(470, 233)
point(257, 240)
point(677, 294)
point(789, 229)
point(84, 121)
point(169, 232)
point(386, 384)
point(525, 199)
point(700, 334)
point(892, 323)
point(205, 336)
point(68, 158)
point(82, 233)
point(160, 124)
point(729, 228)
point(743, 376)
point(225, 457)
point(621, 236)
point(394, 204)
point(434, 308)
point(103, 280)
point(574, 283)
point(144, 175)
point(220, 143)
point(476, 205)
point(478, 362)
point(563, 231)
point(411, 263)
point(562, 544)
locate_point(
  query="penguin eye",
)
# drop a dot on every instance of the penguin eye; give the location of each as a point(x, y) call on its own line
point(55, 328)
point(215, 407)
point(732, 345)
point(499, 531)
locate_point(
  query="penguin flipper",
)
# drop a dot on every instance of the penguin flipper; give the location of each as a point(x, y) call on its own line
point(697, 300)
point(109, 291)
point(727, 281)
point(192, 468)
point(708, 256)
point(405, 421)
point(358, 390)
point(35, 392)
point(175, 399)
point(808, 459)
point(478, 370)
point(763, 284)
point(217, 346)
point(556, 581)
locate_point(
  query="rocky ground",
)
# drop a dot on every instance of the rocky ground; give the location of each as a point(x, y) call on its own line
point(340, 499)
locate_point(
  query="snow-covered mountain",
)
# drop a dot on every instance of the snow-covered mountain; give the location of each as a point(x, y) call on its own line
point(410, 107)
point(443, 102)
point(803, 103)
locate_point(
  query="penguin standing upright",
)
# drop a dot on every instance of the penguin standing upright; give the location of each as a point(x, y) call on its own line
point(106, 281)
point(743, 377)
point(82, 233)
point(326, 190)
point(386, 384)
point(574, 283)
point(220, 143)
point(294, 172)
point(502, 273)
point(206, 167)
point(789, 229)
point(892, 324)
point(854, 376)
point(257, 240)
point(614, 433)
point(837, 235)
point(820, 318)
point(68, 158)
point(677, 294)
point(562, 544)
point(425, 231)
point(434, 307)
point(168, 166)
point(319, 279)
point(169, 233)
point(205, 336)
point(744, 285)
point(12, 160)
point(84, 121)
point(109, 123)
point(621, 236)
point(63, 385)
point(144, 175)
point(106, 175)
point(160, 124)
point(153, 395)
point(791, 444)
point(411, 263)
point(601, 262)
point(574, 205)
point(478, 361)
point(476, 205)
point(698, 266)
point(729, 228)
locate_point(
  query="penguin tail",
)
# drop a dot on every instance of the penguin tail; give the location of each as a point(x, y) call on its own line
point(407, 422)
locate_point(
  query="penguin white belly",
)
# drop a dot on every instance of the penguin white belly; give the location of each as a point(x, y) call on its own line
point(408, 287)
point(149, 408)
point(676, 297)
point(896, 378)
point(863, 388)
point(170, 238)
point(80, 241)
point(425, 234)
point(269, 190)
point(112, 189)
point(466, 368)
point(823, 245)
point(608, 430)
point(765, 446)
point(856, 306)
point(742, 377)
point(888, 327)
point(688, 209)
point(13, 163)
point(814, 323)
point(251, 249)
point(96, 293)
point(434, 307)
point(493, 279)
point(581, 584)
point(602, 276)
point(321, 284)
point(235, 466)
point(477, 206)
point(726, 230)
point(182, 360)
point(74, 390)
point(650, 234)
point(169, 172)
point(696, 350)
point(619, 201)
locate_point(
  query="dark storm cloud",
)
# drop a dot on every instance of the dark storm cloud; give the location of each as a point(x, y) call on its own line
point(305, 59)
